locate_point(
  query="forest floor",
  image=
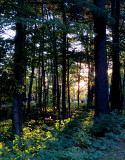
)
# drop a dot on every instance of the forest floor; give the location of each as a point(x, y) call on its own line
point(119, 152)
point(82, 137)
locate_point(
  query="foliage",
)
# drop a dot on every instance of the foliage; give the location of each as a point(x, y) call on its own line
point(107, 123)
point(70, 139)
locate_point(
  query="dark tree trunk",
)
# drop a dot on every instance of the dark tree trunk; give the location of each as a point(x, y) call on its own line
point(115, 87)
point(58, 90)
point(124, 86)
point(92, 88)
point(43, 82)
point(54, 81)
point(58, 98)
point(79, 68)
point(89, 87)
point(24, 90)
point(40, 87)
point(24, 72)
point(101, 81)
point(48, 83)
point(69, 115)
point(56, 71)
point(44, 89)
point(32, 72)
point(36, 99)
point(18, 75)
point(30, 88)
point(88, 62)
point(64, 64)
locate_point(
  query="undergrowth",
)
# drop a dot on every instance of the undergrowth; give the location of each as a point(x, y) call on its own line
point(81, 138)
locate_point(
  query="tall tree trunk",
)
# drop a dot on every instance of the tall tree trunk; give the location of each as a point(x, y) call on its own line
point(41, 76)
point(43, 82)
point(69, 115)
point(124, 85)
point(24, 73)
point(43, 68)
point(101, 81)
point(79, 69)
point(89, 73)
point(54, 79)
point(36, 99)
point(40, 87)
point(48, 83)
point(64, 63)
point(58, 95)
point(92, 89)
point(24, 90)
point(32, 72)
point(89, 87)
point(18, 73)
point(30, 88)
point(44, 88)
point(115, 87)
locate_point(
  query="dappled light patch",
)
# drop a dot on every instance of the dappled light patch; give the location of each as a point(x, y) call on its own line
point(6, 130)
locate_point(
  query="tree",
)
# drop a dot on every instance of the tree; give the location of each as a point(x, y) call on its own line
point(101, 81)
point(18, 73)
point(115, 86)
point(64, 61)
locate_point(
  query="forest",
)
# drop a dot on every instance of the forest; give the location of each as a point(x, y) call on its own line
point(62, 79)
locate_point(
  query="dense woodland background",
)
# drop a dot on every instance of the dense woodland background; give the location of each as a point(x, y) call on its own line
point(62, 78)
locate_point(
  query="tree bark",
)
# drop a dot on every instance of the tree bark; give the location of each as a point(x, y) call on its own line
point(115, 86)
point(89, 87)
point(101, 80)
point(64, 63)
point(54, 79)
point(124, 85)
point(18, 77)
point(79, 68)
point(69, 115)
point(92, 89)
point(30, 88)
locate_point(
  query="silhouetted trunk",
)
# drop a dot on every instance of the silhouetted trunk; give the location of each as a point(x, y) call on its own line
point(92, 88)
point(43, 83)
point(54, 81)
point(41, 71)
point(68, 89)
point(115, 86)
point(30, 89)
point(78, 68)
point(24, 90)
point(24, 72)
point(88, 62)
point(36, 99)
point(48, 83)
point(124, 86)
point(32, 72)
point(64, 63)
point(18, 73)
point(44, 88)
point(89, 87)
point(101, 80)
point(58, 90)
point(56, 78)
point(40, 86)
